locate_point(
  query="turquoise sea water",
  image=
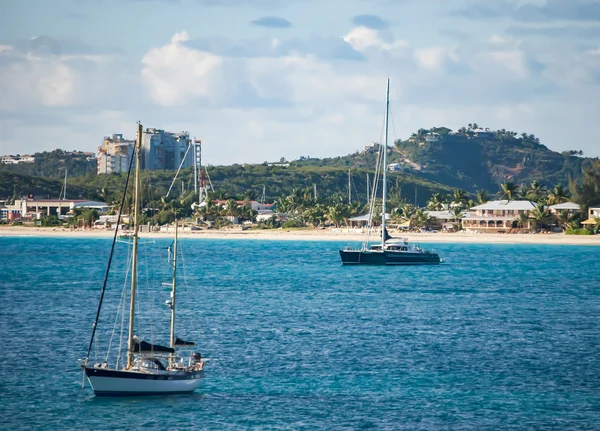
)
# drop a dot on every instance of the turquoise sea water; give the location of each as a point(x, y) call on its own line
point(498, 337)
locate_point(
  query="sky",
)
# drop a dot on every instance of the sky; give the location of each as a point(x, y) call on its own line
point(257, 80)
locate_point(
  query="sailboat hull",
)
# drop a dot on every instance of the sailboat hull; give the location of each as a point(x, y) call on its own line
point(371, 257)
point(106, 382)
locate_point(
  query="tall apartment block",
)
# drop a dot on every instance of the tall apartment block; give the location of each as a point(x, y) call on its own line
point(166, 150)
point(114, 154)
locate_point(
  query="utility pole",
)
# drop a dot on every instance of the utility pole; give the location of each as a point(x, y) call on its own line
point(315, 190)
point(415, 195)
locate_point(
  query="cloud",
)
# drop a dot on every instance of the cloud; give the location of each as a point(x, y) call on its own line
point(364, 38)
point(320, 95)
point(551, 10)
point(326, 47)
point(563, 31)
point(435, 58)
point(370, 21)
point(271, 22)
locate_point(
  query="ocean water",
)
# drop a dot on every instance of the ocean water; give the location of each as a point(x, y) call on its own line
point(498, 337)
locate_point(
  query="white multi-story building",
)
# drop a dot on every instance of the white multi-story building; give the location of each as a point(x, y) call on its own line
point(114, 155)
point(15, 160)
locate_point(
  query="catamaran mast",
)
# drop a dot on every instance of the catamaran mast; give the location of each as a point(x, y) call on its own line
point(65, 190)
point(385, 147)
point(349, 189)
point(173, 291)
point(368, 190)
point(136, 205)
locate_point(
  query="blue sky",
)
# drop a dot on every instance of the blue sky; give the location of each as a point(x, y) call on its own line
point(258, 80)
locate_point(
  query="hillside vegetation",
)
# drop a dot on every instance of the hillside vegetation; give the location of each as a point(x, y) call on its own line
point(434, 160)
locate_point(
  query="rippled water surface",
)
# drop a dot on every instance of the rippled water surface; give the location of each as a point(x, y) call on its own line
point(497, 337)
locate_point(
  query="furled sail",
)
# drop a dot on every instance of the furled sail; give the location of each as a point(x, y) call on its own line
point(180, 342)
point(386, 235)
point(140, 346)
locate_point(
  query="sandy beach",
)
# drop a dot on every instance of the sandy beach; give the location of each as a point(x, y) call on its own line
point(316, 235)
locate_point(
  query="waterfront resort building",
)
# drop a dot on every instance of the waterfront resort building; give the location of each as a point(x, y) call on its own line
point(35, 209)
point(114, 155)
point(499, 217)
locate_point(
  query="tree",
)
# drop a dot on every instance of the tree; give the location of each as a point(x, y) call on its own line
point(482, 197)
point(535, 191)
point(508, 190)
point(557, 195)
point(459, 198)
point(540, 215)
point(436, 202)
point(587, 193)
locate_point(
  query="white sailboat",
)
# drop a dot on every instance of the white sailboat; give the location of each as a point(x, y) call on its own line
point(150, 369)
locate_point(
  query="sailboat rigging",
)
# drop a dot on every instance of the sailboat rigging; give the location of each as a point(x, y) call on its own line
point(391, 251)
point(145, 372)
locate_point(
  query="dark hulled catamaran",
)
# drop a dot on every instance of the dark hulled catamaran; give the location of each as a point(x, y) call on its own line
point(391, 251)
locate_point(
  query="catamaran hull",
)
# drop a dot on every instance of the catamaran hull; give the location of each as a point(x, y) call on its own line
point(366, 257)
point(106, 382)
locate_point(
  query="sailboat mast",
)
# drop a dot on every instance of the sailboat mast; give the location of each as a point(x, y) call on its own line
point(65, 191)
point(173, 291)
point(385, 147)
point(135, 247)
point(349, 189)
point(368, 190)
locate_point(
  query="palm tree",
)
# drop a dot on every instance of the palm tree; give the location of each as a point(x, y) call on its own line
point(540, 215)
point(420, 219)
point(335, 214)
point(508, 190)
point(522, 220)
point(457, 213)
point(557, 195)
point(482, 197)
point(459, 198)
point(563, 219)
point(535, 192)
point(435, 202)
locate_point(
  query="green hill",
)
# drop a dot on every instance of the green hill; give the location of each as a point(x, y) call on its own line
point(228, 181)
point(471, 159)
point(430, 161)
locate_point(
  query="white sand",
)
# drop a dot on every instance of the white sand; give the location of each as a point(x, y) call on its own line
point(317, 235)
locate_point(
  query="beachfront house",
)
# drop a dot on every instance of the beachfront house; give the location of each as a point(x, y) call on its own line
point(499, 217)
point(444, 220)
point(593, 216)
point(570, 207)
point(363, 220)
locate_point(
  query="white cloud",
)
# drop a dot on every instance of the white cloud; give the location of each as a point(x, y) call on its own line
point(511, 60)
point(363, 38)
point(435, 58)
point(36, 81)
point(260, 106)
point(174, 73)
point(499, 40)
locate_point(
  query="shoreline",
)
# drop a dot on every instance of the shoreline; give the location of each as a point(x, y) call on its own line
point(315, 235)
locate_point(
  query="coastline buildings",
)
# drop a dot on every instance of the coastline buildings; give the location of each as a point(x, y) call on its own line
point(166, 150)
point(34, 209)
point(160, 150)
point(15, 160)
point(498, 216)
point(114, 155)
